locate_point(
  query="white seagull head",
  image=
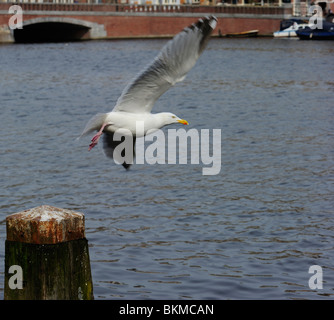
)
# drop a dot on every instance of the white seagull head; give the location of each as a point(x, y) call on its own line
point(167, 118)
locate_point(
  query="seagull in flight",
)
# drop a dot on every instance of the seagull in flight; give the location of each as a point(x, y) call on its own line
point(171, 65)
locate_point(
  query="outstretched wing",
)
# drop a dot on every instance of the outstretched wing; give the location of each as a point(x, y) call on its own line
point(171, 65)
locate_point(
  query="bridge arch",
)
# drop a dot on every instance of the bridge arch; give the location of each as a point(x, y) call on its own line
point(58, 29)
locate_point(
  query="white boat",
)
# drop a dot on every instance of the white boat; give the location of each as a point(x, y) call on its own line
point(290, 31)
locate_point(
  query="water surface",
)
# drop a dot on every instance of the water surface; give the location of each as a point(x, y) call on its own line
point(167, 231)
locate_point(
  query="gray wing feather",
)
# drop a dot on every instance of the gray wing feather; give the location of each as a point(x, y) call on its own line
point(171, 65)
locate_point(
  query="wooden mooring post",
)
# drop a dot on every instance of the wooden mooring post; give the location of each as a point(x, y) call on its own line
point(46, 256)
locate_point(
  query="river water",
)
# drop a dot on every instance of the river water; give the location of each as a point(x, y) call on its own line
point(166, 231)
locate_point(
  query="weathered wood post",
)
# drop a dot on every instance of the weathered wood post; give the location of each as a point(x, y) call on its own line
point(46, 256)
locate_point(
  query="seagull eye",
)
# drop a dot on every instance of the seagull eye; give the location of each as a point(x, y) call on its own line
point(173, 117)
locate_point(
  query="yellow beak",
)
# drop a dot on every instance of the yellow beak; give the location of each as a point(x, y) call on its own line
point(183, 121)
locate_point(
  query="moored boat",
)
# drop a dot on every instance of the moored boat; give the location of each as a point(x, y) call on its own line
point(291, 31)
point(288, 28)
point(245, 34)
point(309, 33)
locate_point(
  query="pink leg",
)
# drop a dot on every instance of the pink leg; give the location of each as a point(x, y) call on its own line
point(96, 138)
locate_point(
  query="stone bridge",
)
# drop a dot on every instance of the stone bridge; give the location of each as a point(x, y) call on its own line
point(67, 22)
point(43, 29)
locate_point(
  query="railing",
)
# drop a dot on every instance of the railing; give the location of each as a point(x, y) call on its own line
point(161, 2)
point(150, 8)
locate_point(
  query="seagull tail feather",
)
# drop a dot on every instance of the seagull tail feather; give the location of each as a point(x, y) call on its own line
point(95, 123)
